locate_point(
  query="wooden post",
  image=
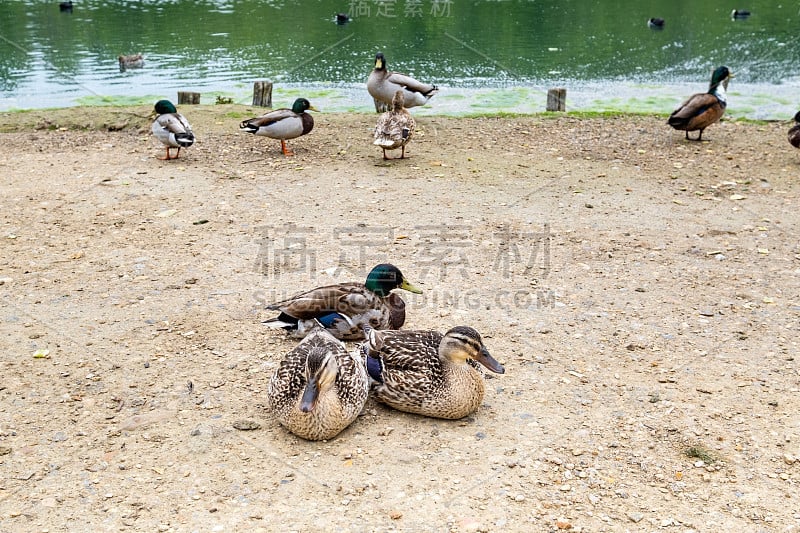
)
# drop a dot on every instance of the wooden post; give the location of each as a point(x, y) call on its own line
point(188, 98)
point(381, 107)
point(262, 94)
point(557, 99)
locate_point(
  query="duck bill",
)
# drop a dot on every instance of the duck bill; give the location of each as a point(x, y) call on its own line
point(405, 285)
point(378, 63)
point(310, 395)
point(312, 108)
point(486, 359)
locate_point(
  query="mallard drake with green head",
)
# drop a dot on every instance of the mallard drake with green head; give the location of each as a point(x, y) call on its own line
point(794, 132)
point(319, 387)
point(427, 373)
point(171, 128)
point(283, 123)
point(344, 308)
point(701, 110)
point(395, 127)
point(383, 84)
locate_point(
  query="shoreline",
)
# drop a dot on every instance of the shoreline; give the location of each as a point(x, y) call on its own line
point(749, 101)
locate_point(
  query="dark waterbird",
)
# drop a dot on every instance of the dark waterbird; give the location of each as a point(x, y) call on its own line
point(794, 132)
point(342, 18)
point(740, 14)
point(65, 6)
point(656, 23)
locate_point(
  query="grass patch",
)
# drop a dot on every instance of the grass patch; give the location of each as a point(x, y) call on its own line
point(699, 451)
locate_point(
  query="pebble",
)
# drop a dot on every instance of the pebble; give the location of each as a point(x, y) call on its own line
point(246, 425)
point(789, 459)
point(635, 517)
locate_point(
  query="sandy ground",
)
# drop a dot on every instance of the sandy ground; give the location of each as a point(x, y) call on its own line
point(642, 291)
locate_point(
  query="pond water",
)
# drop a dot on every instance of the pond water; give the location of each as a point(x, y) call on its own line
point(487, 56)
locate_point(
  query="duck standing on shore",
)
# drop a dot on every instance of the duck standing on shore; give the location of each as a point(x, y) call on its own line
point(794, 132)
point(171, 128)
point(283, 124)
point(395, 127)
point(701, 110)
point(382, 85)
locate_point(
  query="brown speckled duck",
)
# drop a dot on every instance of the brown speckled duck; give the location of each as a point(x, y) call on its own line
point(427, 373)
point(794, 132)
point(701, 110)
point(344, 308)
point(319, 387)
point(395, 127)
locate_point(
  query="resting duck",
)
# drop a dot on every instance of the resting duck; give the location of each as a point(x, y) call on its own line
point(344, 308)
point(794, 132)
point(382, 85)
point(701, 110)
point(319, 387)
point(171, 128)
point(283, 123)
point(395, 127)
point(131, 61)
point(427, 373)
point(740, 14)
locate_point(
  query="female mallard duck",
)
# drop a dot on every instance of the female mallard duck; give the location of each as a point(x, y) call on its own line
point(701, 110)
point(319, 387)
point(171, 128)
point(395, 127)
point(382, 85)
point(426, 373)
point(131, 61)
point(794, 132)
point(283, 123)
point(343, 309)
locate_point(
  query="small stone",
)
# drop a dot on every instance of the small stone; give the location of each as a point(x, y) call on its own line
point(563, 524)
point(395, 515)
point(246, 425)
point(789, 459)
point(519, 498)
point(565, 488)
point(706, 312)
point(635, 517)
